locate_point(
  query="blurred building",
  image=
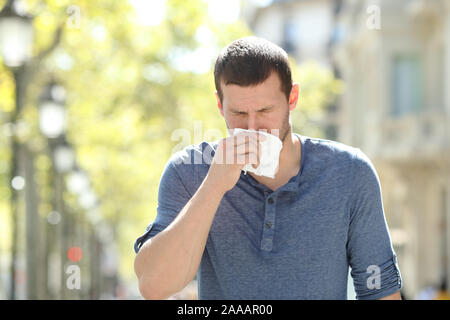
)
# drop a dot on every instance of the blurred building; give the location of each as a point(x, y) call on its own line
point(394, 58)
point(396, 108)
point(302, 28)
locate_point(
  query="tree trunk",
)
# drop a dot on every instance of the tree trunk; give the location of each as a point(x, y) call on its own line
point(33, 245)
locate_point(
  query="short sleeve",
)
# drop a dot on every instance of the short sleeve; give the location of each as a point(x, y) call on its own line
point(172, 197)
point(370, 253)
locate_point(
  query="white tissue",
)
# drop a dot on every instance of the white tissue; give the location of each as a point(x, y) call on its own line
point(269, 155)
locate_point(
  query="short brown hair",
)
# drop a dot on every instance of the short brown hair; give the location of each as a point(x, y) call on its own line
point(250, 61)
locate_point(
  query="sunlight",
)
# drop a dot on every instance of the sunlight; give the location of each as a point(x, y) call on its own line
point(224, 11)
point(198, 61)
point(149, 13)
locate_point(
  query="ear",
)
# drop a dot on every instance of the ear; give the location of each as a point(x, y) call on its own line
point(293, 97)
point(219, 104)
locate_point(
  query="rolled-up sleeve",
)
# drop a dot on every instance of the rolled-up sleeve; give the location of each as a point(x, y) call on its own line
point(172, 197)
point(373, 261)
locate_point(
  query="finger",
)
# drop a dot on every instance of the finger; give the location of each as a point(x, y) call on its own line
point(244, 152)
point(245, 147)
point(258, 136)
point(253, 159)
point(232, 152)
point(242, 139)
point(261, 137)
point(239, 148)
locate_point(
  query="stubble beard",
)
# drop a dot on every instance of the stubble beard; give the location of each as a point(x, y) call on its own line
point(286, 127)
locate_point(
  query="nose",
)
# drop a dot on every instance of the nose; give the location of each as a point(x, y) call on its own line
point(251, 123)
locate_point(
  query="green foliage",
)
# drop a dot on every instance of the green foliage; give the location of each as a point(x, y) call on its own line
point(318, 88)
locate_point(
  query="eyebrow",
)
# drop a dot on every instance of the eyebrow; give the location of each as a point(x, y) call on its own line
point(261, 109)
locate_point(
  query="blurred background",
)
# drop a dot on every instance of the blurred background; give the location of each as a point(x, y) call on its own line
point(93, 92)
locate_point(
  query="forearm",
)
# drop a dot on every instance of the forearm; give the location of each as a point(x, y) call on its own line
point(394, 296)
point(167, 262)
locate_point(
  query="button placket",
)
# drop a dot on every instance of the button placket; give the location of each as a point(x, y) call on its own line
point(269, 222)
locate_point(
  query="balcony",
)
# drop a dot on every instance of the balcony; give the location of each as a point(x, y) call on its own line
point(415, 137)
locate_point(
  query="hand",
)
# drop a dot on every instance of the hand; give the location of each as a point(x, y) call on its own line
point(232, 154)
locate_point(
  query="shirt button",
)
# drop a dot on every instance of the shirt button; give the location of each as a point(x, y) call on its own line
point(268, 225)
point(270, 200)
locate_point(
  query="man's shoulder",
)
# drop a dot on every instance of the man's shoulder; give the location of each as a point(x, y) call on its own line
point(189, 165)
point(339, 157)
point(194, 154)
point(339, 162)
point(329, 150)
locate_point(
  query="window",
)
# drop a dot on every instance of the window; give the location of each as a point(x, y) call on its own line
point(407, 85)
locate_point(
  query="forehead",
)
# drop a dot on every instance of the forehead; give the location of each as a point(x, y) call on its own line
point(267, 92)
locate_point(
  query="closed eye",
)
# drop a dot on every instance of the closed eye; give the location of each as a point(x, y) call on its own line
point(265, 110)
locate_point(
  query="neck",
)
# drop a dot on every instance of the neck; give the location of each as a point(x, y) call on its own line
point(290, 153)
point(288, 165)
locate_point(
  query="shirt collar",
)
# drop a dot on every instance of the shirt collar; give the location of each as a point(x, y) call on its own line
point(293, 185)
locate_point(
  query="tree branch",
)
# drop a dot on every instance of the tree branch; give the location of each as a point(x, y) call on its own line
point(56, 40)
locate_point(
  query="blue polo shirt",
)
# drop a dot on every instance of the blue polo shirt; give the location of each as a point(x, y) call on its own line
point(296, 242)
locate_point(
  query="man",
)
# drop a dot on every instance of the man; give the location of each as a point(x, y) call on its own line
point(253, 237)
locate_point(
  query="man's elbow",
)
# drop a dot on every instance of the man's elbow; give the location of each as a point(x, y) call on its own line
point(145, 285)
point(149, 286)
point(148, 292)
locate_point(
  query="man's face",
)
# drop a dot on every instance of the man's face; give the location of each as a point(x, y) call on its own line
point(259, 107)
